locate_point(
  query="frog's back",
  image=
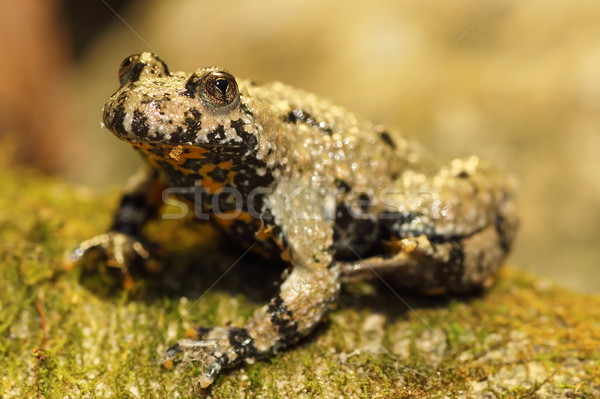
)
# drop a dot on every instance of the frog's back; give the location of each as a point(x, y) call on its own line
point(316, 137)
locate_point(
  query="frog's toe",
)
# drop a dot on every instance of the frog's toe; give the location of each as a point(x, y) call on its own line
point(172, 355)
point(214, 349)
point(114, 255)
point(208, 377)
point(119, 249)
point(208, 353)
point(89, 248)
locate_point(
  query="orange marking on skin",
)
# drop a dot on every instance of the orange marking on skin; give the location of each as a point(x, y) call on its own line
point(264, 232)
point(208, 182)
point(183, 170)
point(230, 176)
point(176, 152)
point(395, 245)
point(176, 164)
point(225, 223)
point(211, 185)
point(191, 333)
point(207, 168)
point(245, 216)
point(176, 155)
point(286, 256)
point(409, 246)
point(225, 165)
point(181, 153)
point(285, 253)
point(195, 152)
point(151, 158)
point(226, 219)
point(143, 146)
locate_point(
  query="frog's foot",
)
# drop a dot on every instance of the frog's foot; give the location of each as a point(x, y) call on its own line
point(120, 252)
point(215, 349)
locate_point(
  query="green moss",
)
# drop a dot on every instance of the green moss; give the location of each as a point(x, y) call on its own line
point(70, 333)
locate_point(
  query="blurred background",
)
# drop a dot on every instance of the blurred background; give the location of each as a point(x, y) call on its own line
point(517, 82)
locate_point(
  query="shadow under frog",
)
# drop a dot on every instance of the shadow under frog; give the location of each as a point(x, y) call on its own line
point(230, 271)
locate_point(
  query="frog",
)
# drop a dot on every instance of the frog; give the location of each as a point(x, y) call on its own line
point(302, 180)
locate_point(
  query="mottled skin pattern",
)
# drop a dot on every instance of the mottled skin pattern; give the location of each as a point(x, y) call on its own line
point(338, 198)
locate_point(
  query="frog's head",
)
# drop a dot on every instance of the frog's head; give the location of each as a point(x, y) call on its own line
point(161, 108)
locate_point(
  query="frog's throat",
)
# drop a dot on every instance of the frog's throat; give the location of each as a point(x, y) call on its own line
point(212, 168)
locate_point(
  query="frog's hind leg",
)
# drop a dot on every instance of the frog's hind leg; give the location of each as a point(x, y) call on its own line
point(428, 266)
point(446, 232)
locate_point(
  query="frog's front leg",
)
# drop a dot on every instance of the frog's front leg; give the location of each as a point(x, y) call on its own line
point(303, 299)
point(124, 243)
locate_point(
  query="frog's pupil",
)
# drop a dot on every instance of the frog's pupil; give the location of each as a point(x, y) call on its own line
point(222, 85)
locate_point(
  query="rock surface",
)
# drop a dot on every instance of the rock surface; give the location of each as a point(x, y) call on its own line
point(75, 334)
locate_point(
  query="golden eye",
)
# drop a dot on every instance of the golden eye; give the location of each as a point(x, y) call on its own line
point(220, 88)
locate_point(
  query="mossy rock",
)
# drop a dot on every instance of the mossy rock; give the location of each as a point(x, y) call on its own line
point(71, 334)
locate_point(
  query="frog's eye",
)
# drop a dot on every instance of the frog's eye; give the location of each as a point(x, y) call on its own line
point(220, 88)
point(145, 64)
point(126, 68)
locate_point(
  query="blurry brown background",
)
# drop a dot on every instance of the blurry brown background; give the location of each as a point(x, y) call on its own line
point(517, 82)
